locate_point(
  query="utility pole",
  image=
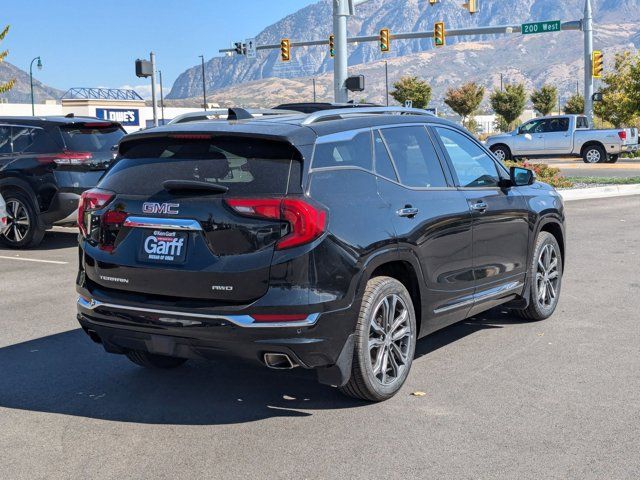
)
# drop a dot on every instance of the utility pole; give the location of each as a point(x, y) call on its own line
point(386, 81)
point(153, 88)
point(502, 82)
point(314, 90)
point(587, 27)
point(204, 85)
point(161, 96)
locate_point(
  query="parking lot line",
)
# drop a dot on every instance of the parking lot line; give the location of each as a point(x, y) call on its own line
point(55, 262)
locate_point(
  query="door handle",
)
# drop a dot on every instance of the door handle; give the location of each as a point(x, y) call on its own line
point(408, 212)
point(479, 207)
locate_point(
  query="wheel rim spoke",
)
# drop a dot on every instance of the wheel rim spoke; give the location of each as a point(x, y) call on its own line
point(18, 221)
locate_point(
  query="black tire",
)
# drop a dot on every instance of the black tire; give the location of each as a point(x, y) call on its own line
point(537, 309)
point(19, 234)
point(613, 158)
point(364, 382)
point(502, 152)
point(594, 154)
point(153, 361)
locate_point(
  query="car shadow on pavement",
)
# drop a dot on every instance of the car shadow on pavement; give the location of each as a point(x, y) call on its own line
point(68, 374)
point(53, 240)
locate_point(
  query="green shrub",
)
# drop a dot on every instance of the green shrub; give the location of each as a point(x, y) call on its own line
point(544, 173)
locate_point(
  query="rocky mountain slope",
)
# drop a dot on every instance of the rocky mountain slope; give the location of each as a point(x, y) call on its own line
point(21, 91)
point(500, 55)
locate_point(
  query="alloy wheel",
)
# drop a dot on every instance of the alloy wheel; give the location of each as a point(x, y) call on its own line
point(547, 276)
point(18, 221)
point(390, 338)
point(593, 155)
point(500, 155)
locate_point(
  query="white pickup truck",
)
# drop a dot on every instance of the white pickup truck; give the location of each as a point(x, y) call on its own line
point(564, 136)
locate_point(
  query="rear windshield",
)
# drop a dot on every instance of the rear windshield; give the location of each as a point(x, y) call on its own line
point(247, 166)
point(83, 138)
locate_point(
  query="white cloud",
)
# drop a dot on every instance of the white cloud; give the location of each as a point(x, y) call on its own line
point(145, 90)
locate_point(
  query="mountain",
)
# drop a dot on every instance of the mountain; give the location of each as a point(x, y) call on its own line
point(21, 91)
point(405, 16)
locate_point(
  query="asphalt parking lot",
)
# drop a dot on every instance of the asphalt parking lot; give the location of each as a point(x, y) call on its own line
point(506, 399)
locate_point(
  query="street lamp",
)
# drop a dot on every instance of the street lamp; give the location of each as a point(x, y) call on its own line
point(33, 108)
point(204, 85)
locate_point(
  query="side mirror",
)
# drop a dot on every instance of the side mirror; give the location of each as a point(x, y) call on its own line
point(521, 177)
point(528, 136)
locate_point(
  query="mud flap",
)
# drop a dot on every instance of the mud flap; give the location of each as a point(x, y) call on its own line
point(338, 375)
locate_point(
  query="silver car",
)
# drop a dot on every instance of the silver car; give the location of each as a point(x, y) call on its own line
point(4, 221)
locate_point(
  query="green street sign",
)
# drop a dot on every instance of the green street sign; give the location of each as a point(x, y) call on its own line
point(541, 27)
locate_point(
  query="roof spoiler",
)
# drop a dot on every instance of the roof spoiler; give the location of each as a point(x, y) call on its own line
point(238, 114)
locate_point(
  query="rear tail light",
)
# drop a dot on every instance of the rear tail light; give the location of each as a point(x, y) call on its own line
point(279, 318)
point(622, 134)
point(307, 222)
point(91, 200)
point(67, 158)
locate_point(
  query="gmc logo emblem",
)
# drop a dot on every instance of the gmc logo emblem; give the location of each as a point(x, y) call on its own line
point(162, 208)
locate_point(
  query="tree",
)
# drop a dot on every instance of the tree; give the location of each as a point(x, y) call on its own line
point(509, 104)
point(575, 105)
point(413, 89)
point(545, 99)
point(617, 106)
point(5, 87)
point(465, 100)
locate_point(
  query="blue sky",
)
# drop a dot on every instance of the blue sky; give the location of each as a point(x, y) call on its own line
point(94, 43)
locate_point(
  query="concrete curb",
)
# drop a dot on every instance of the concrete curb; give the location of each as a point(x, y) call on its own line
point(599, 192)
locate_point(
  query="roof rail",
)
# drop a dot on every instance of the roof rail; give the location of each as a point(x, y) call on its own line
point(342, 112)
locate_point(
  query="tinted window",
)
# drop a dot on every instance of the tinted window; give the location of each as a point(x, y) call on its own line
point(384, 167)
point(33, 140)
point(80, 138)
point(343, 150)
point(5, 140)
point(557, 125)
point(414, 156)
point(472, 165)
point(245, 166)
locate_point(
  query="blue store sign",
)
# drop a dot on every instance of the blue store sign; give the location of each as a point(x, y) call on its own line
point(128, 117)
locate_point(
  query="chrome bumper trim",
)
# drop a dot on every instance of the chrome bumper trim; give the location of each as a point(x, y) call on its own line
point(163, 223)
point(244, 321)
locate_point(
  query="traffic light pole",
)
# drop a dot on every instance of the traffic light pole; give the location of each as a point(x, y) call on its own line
point(341, 10)
point(587, 28)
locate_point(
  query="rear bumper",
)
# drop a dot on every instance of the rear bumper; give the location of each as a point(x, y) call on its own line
point(315, 342)
point(630, 148)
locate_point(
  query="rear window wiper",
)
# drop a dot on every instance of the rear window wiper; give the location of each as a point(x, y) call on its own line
point(193, 185)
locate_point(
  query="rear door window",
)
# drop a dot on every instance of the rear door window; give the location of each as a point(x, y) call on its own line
point(85, 137)
point(246, 166)
point(384, 166)
point(33, 140)
point(5, 139)
point(345, 149)
point(414, 156)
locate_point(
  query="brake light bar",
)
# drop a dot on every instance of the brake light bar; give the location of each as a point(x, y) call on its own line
point(307, 221)
point(622, 134)
point(90, 200)
point(97, 125)
point(67, 158)
point(191, 136)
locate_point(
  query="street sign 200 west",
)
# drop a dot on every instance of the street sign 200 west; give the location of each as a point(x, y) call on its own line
point(541, 27)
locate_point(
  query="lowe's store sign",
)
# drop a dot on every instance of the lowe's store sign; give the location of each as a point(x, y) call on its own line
point(128, 117)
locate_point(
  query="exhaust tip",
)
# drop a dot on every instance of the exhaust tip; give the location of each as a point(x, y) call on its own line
point(279, 361)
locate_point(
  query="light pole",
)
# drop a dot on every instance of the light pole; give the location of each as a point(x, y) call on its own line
point(33, 108)
point(204, 85)
point(587, 28)
point(161, 97)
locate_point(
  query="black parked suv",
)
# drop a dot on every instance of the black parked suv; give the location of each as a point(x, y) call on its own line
point(330, 241)
point(45, 164)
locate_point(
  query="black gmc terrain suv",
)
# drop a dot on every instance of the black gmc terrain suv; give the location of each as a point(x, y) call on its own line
point(331, 241)
point(45, 164)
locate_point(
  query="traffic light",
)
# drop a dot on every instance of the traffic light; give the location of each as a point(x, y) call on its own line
point(285, 50)
point(385, 40)
point(332, 45)
point(598, 64)
point(472, 6)
point(439, 34)
point(239, 48)
point(433, 2)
